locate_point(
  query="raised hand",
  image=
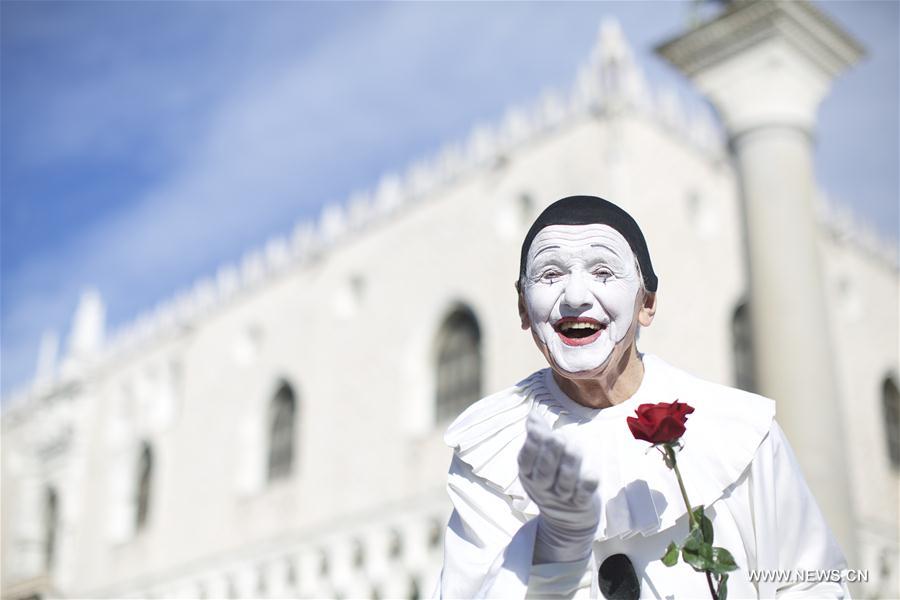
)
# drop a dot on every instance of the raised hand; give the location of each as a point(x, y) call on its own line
point(551, 472)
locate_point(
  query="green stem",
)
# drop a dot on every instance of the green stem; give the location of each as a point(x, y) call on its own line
point(712, 590)
point(670, 452)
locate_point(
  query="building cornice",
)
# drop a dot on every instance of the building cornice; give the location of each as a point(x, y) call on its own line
point(750, 22)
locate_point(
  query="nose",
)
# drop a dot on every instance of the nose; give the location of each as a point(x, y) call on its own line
point(577, 294)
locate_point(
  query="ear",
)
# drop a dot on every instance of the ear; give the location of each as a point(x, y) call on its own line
point(648, 309)
point(523, 313)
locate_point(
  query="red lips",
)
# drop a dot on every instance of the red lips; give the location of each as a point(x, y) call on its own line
point(578, 331)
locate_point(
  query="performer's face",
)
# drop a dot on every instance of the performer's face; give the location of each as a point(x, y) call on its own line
point(581, 295)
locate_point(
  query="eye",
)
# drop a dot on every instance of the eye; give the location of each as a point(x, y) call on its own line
point(550, 275)
point(602, 273)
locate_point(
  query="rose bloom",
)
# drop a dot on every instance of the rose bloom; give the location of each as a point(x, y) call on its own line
point(661, 423)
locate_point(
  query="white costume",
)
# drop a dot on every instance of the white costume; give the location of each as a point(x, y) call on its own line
point(735, 461)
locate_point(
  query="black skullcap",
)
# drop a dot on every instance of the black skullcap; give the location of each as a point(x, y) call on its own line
point(590, 210)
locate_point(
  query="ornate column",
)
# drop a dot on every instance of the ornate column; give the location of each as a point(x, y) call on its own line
point(765, 66)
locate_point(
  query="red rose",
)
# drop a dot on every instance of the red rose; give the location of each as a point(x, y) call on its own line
point(661, 423)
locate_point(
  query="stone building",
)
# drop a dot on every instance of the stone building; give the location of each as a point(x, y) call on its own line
point(276, 431)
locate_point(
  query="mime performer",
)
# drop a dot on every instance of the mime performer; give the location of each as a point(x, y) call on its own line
point(550, 488)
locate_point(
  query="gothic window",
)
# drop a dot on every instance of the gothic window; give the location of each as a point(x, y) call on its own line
point(261, 581)
point(144, 486)
point(395, 546)
point(526, 208)
point(359, 555)
point(51, 517)
point(435, 534)
point(282, 416)
point(290, 575)
point(742, 348)
point(324, 566)
point(890, 404)
point(458, 364)
point(414, 593)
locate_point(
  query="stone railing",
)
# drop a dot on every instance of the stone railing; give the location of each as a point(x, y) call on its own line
point(395, 556)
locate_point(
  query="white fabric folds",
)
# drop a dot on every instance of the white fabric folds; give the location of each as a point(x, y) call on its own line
point(735, 461)
point(638, 493)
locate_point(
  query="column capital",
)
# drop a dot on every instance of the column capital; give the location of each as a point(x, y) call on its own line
point(764, 63)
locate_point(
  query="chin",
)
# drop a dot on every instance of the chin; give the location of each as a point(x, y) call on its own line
point(575, 369)
point(579, 366)
point(587, 373)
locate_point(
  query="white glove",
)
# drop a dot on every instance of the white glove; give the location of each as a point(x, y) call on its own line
point(550, 471)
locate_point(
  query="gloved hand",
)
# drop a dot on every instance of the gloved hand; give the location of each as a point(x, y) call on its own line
point(550, 471)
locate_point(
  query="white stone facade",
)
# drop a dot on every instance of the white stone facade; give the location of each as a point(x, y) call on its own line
point(346, 312)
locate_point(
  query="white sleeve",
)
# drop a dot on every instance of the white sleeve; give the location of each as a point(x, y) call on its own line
point(488, 549)
point(792, 533)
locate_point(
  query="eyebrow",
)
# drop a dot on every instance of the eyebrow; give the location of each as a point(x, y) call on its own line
point(538, 253)
point(607, 247)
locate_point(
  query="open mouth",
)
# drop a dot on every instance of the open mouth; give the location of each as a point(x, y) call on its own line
point(578, 331)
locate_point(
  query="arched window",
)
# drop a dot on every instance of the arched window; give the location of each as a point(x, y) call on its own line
point(458, 364)
point(290, 574)
point(742, 348)
point(890, 405)
point(261, 581)
point(144, 486)
point(282, 414)
point(413, 593)
point(526, 208)
point(435, 534)
point(395, 546)
point(51, 517)
point(324, 565)
point(359, 555)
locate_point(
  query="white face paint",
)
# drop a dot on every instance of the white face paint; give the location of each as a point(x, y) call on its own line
point(581, 283)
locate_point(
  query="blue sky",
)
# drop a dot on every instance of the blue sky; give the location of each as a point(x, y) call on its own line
point(143, 144)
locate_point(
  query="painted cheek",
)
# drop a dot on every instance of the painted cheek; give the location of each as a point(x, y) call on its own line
point(622, 302)
point(539, 302)
point(617, 300)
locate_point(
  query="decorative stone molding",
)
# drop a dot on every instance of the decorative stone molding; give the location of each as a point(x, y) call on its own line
point(841, 224)
point(748, 23)
point(764, 63)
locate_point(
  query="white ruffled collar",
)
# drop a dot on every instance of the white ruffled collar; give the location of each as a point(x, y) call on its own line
point(638, 493)
point(568, 407)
